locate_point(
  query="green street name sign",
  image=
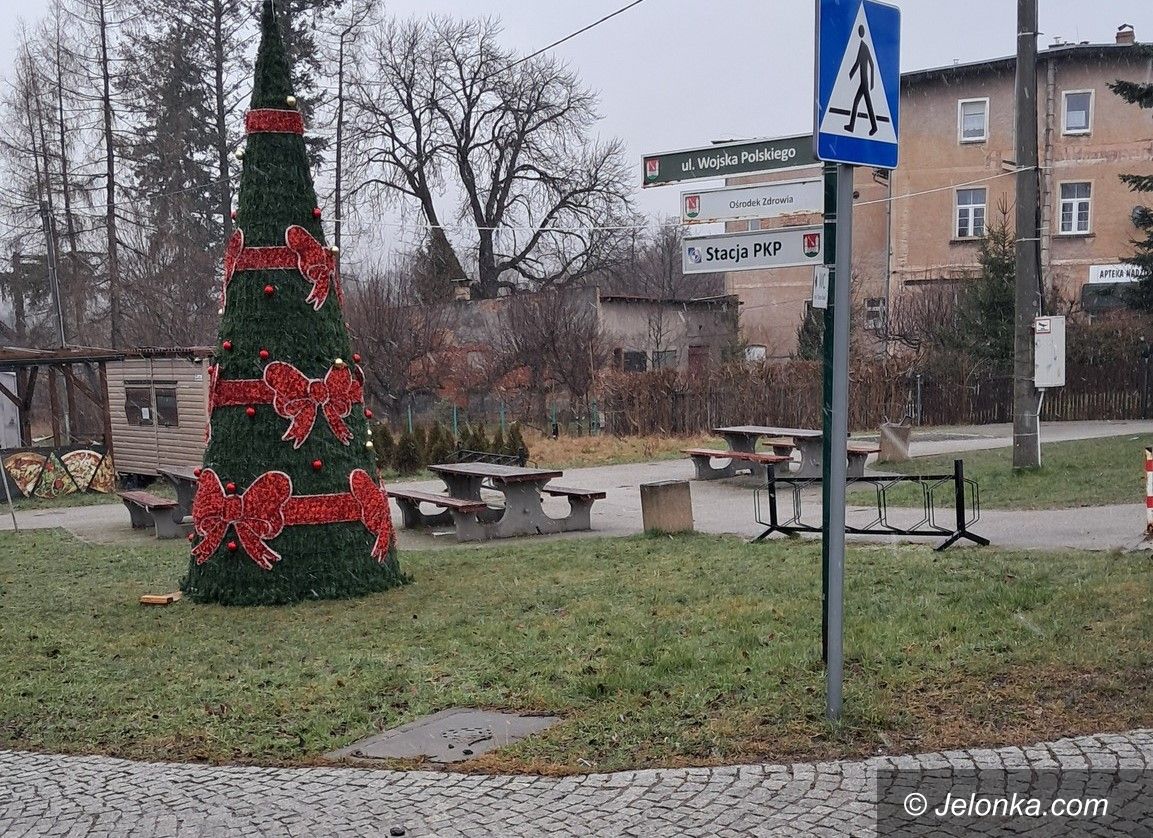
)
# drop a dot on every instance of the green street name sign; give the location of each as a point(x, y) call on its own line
point(729, 159)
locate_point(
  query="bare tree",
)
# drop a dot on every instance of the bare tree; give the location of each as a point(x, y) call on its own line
point(557, 338)
point(442, 103)
point(399, 333)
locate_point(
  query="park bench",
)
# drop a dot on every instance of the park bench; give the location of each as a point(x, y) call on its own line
point(580, 503)
point(147, 510)
point(705, 471)
point(409, 501)
point(858, 454)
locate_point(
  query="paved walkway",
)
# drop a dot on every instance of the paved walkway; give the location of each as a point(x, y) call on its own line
point(726, 506)
point(95, 796)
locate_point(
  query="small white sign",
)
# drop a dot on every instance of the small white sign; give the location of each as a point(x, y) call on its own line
point(1049, 352)
point(821, 287)
point(765, 200)
point(145, 414)
point(781, 248)
point(1114, 273)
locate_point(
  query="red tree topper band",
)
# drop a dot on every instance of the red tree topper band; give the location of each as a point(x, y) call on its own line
point(295, 397)
point(302, 251)
point(261, 512)
point(273, 121)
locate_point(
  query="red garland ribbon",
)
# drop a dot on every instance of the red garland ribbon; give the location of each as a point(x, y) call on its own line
point(262, 511)
point(302, 251)
point(273, 121)
point(295, 397)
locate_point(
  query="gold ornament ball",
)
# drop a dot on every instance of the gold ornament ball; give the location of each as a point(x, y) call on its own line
point(220, 311)
point(339, 362)
point(368, 444)
point(239, 154)
point(335, 250)
point(290, 101)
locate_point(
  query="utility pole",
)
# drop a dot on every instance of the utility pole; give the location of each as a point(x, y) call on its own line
point(1026, 402)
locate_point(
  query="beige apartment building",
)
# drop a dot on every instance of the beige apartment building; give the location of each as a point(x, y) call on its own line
point(921, 223)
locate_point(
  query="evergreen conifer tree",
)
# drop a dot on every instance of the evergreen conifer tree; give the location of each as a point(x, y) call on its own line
point(286, 506)
point(1140, 295)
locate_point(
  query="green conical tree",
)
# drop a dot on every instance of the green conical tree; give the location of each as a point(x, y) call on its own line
point(286, 507)
point(1140, 295)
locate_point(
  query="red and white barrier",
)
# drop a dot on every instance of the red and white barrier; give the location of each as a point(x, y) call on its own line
point(1149, 492)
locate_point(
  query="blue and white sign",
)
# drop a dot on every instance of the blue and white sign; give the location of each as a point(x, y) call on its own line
point(858, 82)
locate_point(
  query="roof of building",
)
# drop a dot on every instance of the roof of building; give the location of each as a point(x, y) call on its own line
point(1009, 62)
point(169, 352)
point(16, 357)
point(695, 301)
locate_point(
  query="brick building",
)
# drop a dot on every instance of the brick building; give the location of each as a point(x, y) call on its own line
point(956, 173)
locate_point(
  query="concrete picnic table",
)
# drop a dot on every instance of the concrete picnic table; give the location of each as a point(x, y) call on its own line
point(183, 480)
point(807, 441)
point(521, 514)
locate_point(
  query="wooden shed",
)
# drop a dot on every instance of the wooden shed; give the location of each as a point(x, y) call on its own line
point(158, 401)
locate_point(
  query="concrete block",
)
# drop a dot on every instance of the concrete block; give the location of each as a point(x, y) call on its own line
point(894, 443)
point(667, 506)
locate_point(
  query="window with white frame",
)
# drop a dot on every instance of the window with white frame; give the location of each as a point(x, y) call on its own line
point(973, 120)
point(1078, 111)
point(875, 313)
point(1075, 198)
point(970, 213)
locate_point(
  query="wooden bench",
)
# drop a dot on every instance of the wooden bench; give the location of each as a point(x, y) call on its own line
point(705, 471)
point(580, 502)
point(858, 454)
point(781, 447)
point(148, 510)
point(409, 501)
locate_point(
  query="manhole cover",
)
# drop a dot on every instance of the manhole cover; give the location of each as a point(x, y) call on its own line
point(448, 736)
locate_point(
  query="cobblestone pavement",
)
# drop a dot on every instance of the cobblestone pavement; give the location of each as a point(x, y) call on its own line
point(96, 796)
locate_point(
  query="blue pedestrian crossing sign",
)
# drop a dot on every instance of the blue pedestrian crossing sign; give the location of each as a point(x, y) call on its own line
point(858, 82)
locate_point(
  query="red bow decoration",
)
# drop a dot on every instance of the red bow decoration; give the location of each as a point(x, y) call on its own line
point(257, 515)
point(316, 263)
point(374, 510)
point(232, 253)
point(297, 398)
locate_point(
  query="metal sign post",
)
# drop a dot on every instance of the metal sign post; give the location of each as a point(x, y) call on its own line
point(856, 123)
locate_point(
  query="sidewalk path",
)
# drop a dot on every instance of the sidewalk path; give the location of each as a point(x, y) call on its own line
point(42, 795)
point(726, 506)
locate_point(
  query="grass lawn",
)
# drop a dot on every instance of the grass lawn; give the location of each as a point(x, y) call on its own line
point(1091, 472)
point(656, 651)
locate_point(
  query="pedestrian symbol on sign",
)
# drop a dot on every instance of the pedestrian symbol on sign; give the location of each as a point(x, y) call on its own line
point(859, 102)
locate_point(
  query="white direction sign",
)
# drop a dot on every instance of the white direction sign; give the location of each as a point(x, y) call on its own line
point(781, 248)
point(764, 200)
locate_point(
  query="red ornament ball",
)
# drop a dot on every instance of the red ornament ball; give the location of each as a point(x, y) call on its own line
point(230, 487)
point(318, 464)
point(264, 353)
point(269, 290)
point(250, 411)
point(367, 413)
point(316, 212)
point(227, 345)
point(192, 536)
point(356, 357)
point(196, 472)
point(232, 546)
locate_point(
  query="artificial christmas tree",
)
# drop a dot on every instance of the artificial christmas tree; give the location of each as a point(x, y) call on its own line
point(287, 506)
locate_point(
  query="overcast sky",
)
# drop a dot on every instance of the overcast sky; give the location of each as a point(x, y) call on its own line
point(676, 74)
